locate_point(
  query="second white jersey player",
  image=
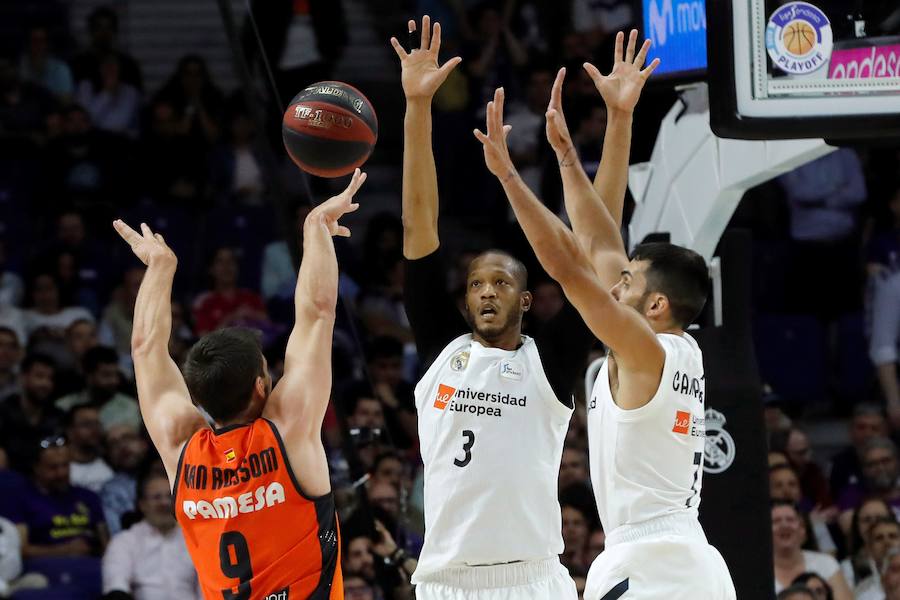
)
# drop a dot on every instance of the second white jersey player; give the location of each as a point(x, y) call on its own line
point(492, 434)
point(647, 473)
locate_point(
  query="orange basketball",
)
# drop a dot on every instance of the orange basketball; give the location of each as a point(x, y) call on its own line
point(799, 37)
point(329, 129)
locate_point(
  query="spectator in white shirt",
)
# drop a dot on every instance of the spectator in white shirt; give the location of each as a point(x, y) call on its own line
point(112, 104)
point(85, 435)
point(46, 310)
point(788, 537)
point(150, 561)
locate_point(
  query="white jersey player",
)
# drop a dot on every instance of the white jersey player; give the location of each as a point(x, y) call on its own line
point(494, 405)
point(646, 413)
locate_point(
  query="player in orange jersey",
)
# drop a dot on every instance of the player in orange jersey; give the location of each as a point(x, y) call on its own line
point(251, 487)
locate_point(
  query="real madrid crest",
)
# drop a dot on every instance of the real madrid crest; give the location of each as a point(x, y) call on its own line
point(459, 361)
point(720, 449)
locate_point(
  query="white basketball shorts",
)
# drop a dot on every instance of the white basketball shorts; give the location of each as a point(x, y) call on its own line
point(516, 581)
point(669, 567)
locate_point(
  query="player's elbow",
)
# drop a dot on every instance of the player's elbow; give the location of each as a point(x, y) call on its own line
point(320, 307)
point(144, 343)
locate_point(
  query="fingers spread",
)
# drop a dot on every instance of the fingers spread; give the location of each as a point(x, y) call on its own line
point(632, 40)
point(398, 48)
point(618, 53)
point(146, 231)
point(426, 33)
point(449, 65)
point(480, 136)
point(650, 68)
point(642, 55)
point(356, 182)
point(436, 39)
point(128, 234)
point(593, 72)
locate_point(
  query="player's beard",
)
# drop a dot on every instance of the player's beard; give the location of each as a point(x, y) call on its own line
point(493, 332)
point(640, 304)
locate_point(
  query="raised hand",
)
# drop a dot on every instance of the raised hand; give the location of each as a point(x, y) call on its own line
point(337, 206)
point(149, 247)
point(621, 89)
point(421, 76)
point(557, 129)
point(496, 153)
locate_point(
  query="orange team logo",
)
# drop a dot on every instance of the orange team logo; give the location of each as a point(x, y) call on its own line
point(445, 392)
point(229, 455)
point(682, 422)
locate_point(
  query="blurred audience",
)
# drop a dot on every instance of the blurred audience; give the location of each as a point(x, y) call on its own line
point(41, 67)
point(30, 416)
point(102, 390)
point(225, 304)
point(149, 560)
point(789, 535)
point(103, 29)
point(85, 436)
point(56, 518)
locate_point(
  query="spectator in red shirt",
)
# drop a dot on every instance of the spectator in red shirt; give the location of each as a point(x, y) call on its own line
point(226, 304)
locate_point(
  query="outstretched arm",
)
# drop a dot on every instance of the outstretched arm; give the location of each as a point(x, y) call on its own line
point(297, 404)
point(421, 77)
point(595, 228)
point(621, 90)
point(166, 406)
point(618, 326)
point(596, 210)
point(432, 316)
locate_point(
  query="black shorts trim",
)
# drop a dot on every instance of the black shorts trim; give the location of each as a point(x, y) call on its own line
point(617, 591)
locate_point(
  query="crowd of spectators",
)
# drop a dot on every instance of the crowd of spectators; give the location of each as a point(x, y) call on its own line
point(82, 140)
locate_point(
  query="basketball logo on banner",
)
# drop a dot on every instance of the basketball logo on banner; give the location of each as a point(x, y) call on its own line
point(720, 449)
point(798, 38)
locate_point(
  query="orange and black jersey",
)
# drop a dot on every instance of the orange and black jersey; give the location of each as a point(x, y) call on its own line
point(251, 531)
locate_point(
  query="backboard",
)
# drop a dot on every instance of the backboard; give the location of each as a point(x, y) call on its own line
point(822, 69)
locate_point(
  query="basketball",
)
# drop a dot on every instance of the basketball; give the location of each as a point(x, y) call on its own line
point(799, 37)
point(329, 129)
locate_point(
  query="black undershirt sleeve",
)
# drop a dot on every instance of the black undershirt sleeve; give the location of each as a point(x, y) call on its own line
point(564, 343)
point(432, 314)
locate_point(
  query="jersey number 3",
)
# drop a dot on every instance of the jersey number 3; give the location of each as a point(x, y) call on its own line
point(467, 448)
point(239, 568)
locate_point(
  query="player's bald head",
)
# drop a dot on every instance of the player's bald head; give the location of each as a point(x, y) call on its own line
point(505, 260)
